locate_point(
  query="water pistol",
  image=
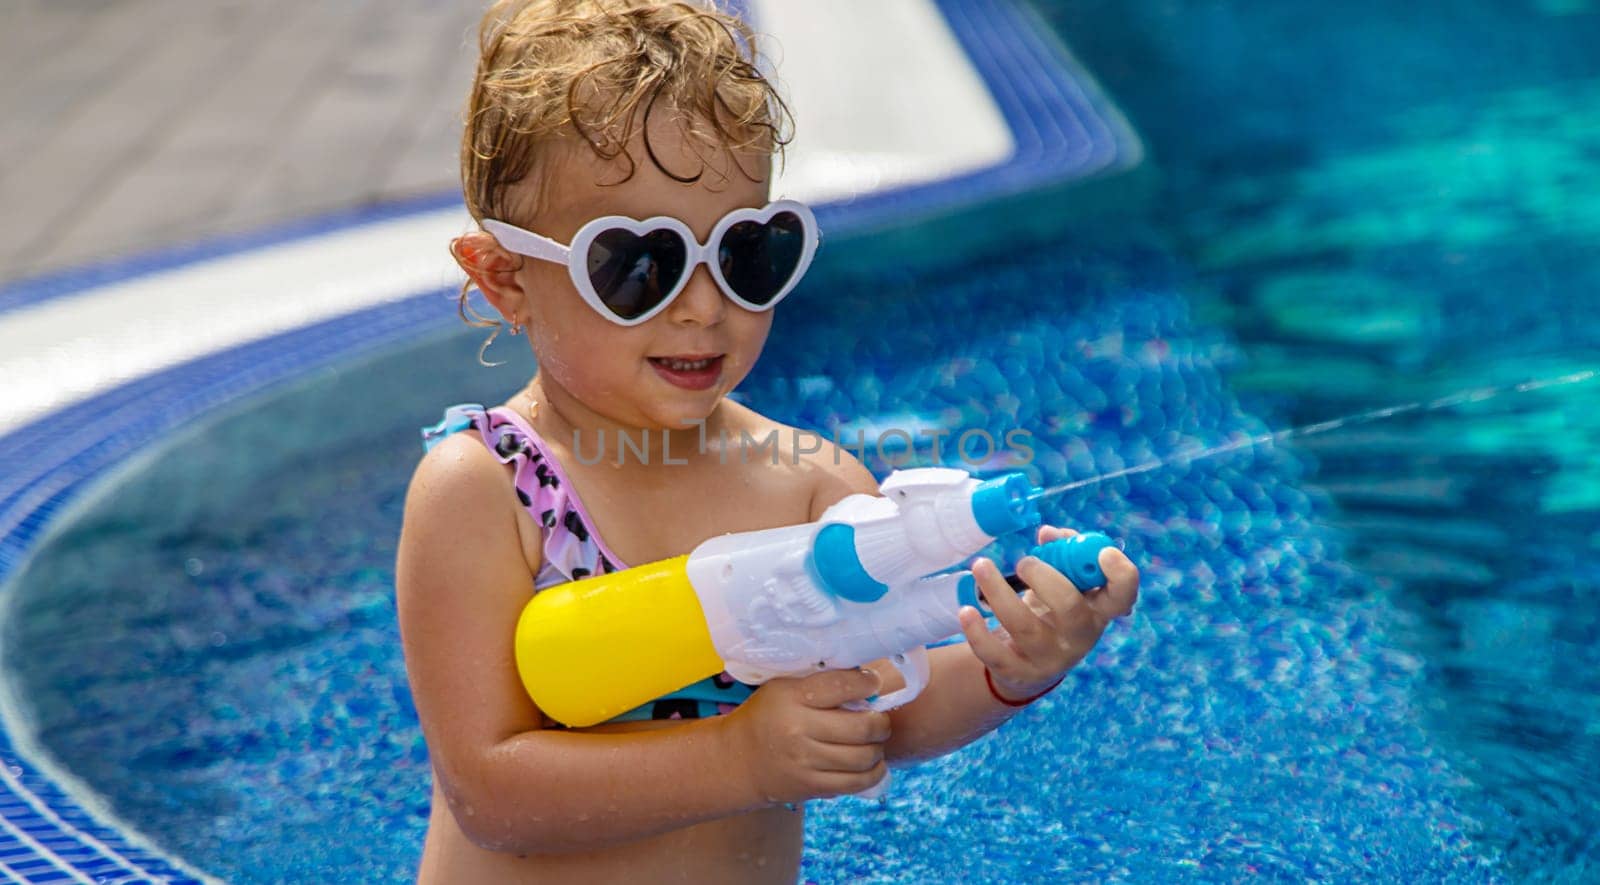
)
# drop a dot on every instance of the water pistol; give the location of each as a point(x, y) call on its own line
point(869, 580)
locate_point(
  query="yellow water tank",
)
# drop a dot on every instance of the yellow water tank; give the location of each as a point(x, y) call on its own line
point(593, 649)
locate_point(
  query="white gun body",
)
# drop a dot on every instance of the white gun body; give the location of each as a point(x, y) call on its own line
point(857, 585)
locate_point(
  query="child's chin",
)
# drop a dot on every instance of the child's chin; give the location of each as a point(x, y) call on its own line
point(687, 415)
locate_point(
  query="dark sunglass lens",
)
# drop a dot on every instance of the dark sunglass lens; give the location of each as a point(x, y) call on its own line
point(758, 260)
point(633, 273)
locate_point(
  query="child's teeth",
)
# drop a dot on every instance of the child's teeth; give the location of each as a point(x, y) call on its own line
point(687, 365)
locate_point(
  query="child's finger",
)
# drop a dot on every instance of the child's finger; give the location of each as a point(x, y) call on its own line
point(851, 727)
point(1019, 620)
point(1048, 533)
point(846, 757)
point(1122, 585)
point(1052, 588)
point(839, 783)
point(832, 688)
point(986, 646)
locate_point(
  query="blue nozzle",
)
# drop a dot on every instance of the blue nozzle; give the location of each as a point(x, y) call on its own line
point(1077, 557)
point(1005, 504)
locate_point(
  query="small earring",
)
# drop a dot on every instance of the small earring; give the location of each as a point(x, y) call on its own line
point(516, 329)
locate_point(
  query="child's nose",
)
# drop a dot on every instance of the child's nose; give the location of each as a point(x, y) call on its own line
point(701, 302)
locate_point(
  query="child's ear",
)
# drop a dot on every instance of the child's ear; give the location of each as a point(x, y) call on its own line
point(492, 269)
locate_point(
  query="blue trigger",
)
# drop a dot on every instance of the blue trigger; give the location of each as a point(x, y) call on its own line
point(1077, 557)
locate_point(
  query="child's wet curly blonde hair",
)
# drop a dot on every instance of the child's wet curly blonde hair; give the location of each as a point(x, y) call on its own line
point(549, 70)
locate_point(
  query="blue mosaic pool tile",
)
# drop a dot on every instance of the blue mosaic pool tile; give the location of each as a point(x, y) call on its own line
point(49, 876)
point(23, 293)
point(47, 470)
point(1063, 129)
point(78, 855)
point(54, 841)
point(42, 475)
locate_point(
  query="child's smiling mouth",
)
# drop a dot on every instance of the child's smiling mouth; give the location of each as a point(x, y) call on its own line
point(690, 371)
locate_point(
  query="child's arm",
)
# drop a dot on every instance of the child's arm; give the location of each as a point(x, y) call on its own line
point(462, 581)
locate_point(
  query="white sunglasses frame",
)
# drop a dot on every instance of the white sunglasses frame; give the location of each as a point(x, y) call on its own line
point(575, 255)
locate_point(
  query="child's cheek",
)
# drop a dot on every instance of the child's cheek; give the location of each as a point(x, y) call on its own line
point(594, 376)
point(750, 341)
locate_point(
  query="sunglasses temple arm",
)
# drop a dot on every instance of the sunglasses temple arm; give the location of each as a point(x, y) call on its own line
point(526, 242)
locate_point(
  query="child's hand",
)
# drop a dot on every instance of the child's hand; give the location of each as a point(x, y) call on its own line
point(800, 745)
point(1048, 630)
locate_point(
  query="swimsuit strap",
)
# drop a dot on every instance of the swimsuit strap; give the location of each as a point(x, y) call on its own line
point(572, 549)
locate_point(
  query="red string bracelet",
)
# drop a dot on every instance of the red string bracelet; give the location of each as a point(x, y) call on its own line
point(989, 678)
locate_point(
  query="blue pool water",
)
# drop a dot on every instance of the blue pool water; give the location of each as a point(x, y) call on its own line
point(1391, 203)
point(1373, 656)
point(1253, 716)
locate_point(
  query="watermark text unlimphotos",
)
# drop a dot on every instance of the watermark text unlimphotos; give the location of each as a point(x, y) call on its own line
point(893, 446)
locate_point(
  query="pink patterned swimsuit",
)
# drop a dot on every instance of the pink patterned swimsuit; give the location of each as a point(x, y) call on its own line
point(572, 549)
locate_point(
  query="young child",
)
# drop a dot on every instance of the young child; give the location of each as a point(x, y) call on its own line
point(585, 114)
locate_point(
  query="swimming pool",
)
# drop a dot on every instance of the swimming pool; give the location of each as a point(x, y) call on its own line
point(271, 707)
point(1371, 659)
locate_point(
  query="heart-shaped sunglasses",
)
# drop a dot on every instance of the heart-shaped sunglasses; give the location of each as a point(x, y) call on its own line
point(630, 270)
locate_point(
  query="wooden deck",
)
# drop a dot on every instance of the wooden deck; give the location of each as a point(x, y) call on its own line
point(130, 124)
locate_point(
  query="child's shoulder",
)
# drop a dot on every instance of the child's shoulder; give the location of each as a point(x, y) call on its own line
point(827, 471)
point(456, 459)
point(456, 481)
point(461, 519)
